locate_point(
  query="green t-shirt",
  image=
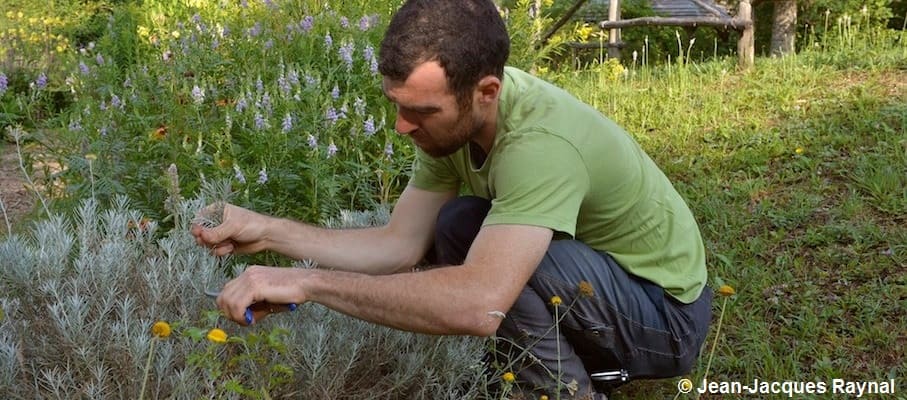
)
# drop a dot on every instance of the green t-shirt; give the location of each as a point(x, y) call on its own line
point(557, 162)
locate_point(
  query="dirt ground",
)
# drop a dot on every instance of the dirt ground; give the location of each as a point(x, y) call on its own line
point(16, 198)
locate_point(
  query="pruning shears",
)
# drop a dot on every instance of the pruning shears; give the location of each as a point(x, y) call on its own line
point(248, 314)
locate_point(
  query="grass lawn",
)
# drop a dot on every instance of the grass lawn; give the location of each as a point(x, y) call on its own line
point(797, 173)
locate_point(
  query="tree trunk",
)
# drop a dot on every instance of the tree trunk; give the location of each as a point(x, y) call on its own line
point(784, 27)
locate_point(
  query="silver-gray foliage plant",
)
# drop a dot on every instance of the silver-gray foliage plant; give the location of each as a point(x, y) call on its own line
point(79, 295)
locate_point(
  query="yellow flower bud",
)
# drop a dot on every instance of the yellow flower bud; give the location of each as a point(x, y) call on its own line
point(217, 336)
point(726, 290)
point(508, 377)
point(161, 329)
point(556, 301)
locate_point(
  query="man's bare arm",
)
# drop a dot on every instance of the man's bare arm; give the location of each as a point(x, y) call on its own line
point(380, 250)
point(466, 299)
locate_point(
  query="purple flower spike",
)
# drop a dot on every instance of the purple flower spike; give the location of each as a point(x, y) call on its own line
point(41, 82)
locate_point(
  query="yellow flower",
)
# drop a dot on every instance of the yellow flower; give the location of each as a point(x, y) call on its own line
point(799, 150)
point(508, 377)
point(543, 397)
point(584, 32)
point(175, 34)
point(556, 300)
point(217, 336)
point(726, 290)
point(161, 329)
point(91, 157)
point(586, 289)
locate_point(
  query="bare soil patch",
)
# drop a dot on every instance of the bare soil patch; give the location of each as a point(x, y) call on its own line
point(16, 198)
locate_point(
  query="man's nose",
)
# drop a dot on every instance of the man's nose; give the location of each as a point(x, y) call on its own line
point(404, 126)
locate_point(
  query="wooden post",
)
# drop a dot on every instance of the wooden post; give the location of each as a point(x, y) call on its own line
point(746, 46)
point(614, 33)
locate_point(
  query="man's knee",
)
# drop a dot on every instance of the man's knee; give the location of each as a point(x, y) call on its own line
point(459, 221)
point(460, 212)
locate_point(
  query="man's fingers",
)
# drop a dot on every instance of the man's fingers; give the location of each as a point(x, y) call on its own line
point(222, 249)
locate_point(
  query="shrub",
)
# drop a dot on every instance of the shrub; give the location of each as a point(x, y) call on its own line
point(284, 99)
point(80, 295)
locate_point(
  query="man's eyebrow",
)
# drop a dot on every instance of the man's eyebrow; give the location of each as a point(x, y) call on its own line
point(423, 109)
point(417, 108)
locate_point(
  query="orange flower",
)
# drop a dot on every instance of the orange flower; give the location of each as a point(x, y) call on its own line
point(586, 289)
point(160, 133)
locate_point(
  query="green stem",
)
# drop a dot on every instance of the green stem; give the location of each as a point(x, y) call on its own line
point(714, 343)
point(557, 329)
point(147, 368)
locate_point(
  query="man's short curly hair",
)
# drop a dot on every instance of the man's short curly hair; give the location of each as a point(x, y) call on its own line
point(466, 37)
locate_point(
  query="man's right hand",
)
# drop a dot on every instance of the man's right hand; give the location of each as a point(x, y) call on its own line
point(241, 231)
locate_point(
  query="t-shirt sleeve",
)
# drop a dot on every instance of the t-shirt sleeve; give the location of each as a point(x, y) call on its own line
point(433, 174)
point(538, 179)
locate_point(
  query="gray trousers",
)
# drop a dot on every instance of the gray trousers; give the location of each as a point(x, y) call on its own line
point(627, 324)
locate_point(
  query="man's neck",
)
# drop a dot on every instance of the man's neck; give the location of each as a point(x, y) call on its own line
point(488, 130)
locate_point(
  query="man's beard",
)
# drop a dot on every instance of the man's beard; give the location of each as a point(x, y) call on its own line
point(465, 129)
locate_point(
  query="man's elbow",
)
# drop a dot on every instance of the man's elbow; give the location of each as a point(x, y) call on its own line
point(487, 325)
point(481, 321)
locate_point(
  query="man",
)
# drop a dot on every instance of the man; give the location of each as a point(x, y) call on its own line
point(568, 218)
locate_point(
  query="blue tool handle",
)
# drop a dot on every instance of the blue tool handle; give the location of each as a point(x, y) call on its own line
point(248, 313)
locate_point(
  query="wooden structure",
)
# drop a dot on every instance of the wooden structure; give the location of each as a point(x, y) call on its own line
point(686, 13)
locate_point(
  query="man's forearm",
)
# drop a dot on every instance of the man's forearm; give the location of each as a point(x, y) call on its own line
point(366, 250)
point(440, 301)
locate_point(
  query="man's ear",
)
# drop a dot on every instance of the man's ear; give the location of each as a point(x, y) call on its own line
point(488, 89)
